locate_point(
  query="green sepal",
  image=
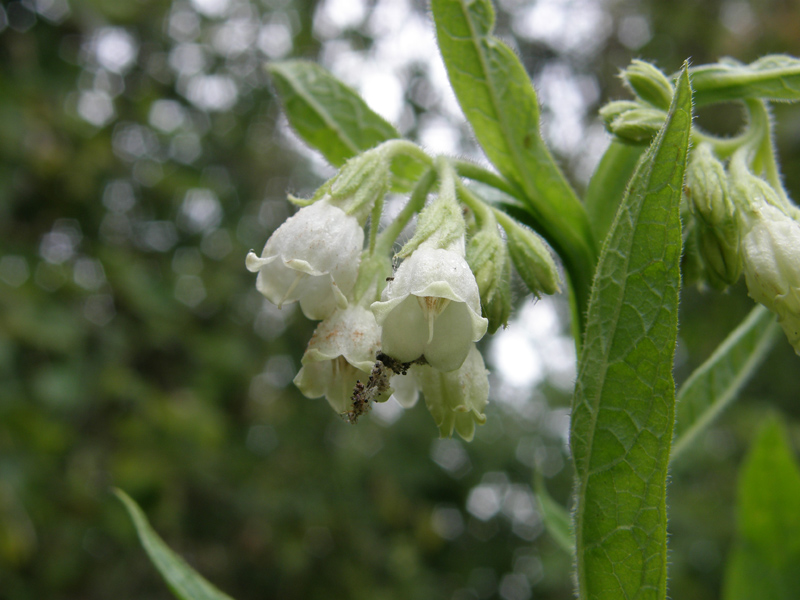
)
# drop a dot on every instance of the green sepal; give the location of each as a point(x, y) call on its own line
point(488, 258)
point(441, 223)
point(362, 181)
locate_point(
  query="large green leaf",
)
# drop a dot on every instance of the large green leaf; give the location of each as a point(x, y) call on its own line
point(608, 183)
point(717, 381)
point(327, 114)
point(183, 581)
point(765, 562)
point(332, 118)
point(773, 77)
point(496, 95)
point(623, 408)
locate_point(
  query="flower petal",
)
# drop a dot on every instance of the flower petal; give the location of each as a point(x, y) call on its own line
point(321, 242)
point(405, 330)
point(452, 338)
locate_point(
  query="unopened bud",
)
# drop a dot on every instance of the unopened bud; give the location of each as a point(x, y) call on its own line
point(531, 258)
point(638, 125)
point(614, 109)
point(487, 256)
point(717, 229)
point(648, 83)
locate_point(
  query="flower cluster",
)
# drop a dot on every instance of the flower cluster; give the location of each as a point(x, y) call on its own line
point(741, 223)
point(737, 218)
point(404, 332)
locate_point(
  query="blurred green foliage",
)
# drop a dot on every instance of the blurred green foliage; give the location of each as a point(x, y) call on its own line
point(141, 155)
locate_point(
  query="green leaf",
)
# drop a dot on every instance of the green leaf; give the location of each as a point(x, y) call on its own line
point(623, 408)
point(608, 183)
point(332, 118)
point(715, 383)
point(765, 559)
point(556, 518)
point(183, 581)
point(773, 77)
point(500, 103)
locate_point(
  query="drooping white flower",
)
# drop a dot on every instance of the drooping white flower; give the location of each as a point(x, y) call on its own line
point(456, 400)
point(771, 253)
point(405, 388)
point(312, 257)
point(431, 309)
point(341, 352)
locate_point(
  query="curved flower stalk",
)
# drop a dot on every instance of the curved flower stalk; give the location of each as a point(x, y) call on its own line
point(771, 252)
point(313, 257)
point(340, 353)
point(456, 399)
point(431, 309)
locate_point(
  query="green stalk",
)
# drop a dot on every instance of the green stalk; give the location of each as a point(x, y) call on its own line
point(387, 237)
point(577, 250)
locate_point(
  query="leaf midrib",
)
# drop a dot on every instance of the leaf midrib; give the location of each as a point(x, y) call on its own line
point(512, 150)
point(584, 477)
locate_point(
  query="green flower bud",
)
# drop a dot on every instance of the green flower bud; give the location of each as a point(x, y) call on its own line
point(487, 256)
point(531, 258)
point(648, 83)
point(638, 125)
point(614, 109)
point(717, 228)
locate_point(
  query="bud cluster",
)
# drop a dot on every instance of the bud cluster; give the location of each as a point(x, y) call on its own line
point(741, 223)
point(638, 121)
point(403, 331)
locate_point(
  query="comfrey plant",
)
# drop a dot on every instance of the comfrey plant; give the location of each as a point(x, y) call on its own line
point(666, 198)
point(419, 323)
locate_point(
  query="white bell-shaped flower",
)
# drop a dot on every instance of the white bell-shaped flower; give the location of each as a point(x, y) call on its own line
point(312, 257)
point(431, 309)
point(341, 352)
point(456, 400)
point(771, 252)
point(405, 388)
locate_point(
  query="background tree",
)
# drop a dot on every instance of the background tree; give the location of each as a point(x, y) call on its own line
point(142, 155)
